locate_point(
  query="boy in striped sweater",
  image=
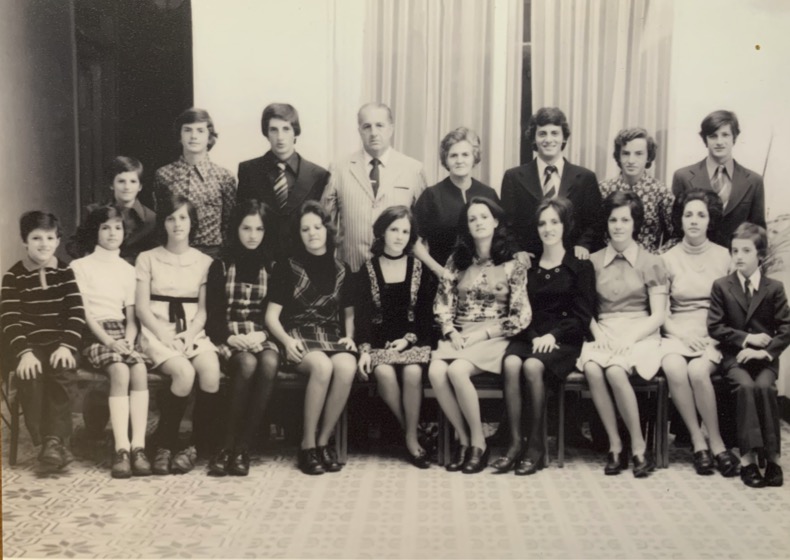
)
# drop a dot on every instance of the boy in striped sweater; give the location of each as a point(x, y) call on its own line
point(42, 319)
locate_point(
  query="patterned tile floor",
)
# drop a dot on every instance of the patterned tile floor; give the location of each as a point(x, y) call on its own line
point(381, 507)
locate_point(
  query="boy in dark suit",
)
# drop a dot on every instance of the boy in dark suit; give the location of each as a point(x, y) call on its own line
point(750, 318)
point(740, 189)
point(281, 178)
point(548, 176)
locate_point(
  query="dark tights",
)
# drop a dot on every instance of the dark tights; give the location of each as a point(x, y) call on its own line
point(253, 377)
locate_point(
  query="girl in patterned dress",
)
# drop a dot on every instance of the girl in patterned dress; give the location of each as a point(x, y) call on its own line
point(171, 306)
point(632, 298)
point(690, 354)
point(311, 315)
point(236, 304)
point(478, 310)
point(393, 321)
point(107, 285)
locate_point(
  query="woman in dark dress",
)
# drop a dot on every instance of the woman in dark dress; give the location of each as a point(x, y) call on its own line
point(393, 321)
point(307, 296)
point(562, 295)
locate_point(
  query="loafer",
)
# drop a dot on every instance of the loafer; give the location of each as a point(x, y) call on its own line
point(50, 454)
point(183, 461)
point(218, 464)
point(615, 463)
point(239, 464)
point(751, 477)
point(703, 462)
point(459, 459)
point(505, 463)
point(773, 475)
point(309, 462)
point(161, 463)
point(727, 463)
point(121, 464)
point(477, 460)
point(141, 466)
point(529, 465)
point(642, 467)
point(420, 460)
point(328, 457)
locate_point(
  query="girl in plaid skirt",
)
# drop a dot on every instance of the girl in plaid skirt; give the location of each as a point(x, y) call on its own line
point(107, 285)
point(236, 302)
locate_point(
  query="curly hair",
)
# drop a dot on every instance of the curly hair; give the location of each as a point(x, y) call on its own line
point(619, 199)
point(384, 221)
point(313, 207)
point(546, 116)
point(627, 135)
point(453, 137)
point(715, 211)
point(502, 247)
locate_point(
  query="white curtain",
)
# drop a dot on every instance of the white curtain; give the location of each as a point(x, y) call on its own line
point(443, 64)
point(606, 64)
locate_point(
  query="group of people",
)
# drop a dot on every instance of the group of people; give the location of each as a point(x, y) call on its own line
point(366, 272)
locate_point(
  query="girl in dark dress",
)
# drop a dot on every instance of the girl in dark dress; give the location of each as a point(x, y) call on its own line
point(236, 303)
point(562, 296)
point(393, 321)
point(309, 293)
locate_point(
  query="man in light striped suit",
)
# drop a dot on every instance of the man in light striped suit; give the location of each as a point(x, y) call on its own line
point(368, 182)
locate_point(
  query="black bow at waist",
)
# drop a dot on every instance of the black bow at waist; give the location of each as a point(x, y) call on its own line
point(176, 311)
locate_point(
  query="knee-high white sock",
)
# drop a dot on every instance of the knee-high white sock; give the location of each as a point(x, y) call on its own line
point(119, 419)
point(138, 405)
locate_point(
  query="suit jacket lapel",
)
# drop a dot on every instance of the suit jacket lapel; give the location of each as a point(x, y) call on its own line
point(568, 179)
point(740, 184)
point(699, 177)
point(300, 189)
point(357, 169)
point(737, 292)
point(757, 297)
point(530, 180)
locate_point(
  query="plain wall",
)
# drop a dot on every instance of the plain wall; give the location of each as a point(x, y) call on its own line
point(37, 148)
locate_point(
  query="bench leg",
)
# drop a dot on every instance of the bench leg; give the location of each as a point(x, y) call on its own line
point(546, 459)
point(341, 437)
point(15, 419)
point(663, 424)
point(561, 427)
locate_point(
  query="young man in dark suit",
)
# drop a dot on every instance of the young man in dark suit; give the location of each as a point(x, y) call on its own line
point(547, 176)
point(750, 318)
point(281, 178)
point(740, 189)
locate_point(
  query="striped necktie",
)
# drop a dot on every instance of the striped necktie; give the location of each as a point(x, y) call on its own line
point(549, 191)
point(721, 184)
point(281, 187)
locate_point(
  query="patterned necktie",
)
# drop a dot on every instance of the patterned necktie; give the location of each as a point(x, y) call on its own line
point(721, 184)
point(374, 175)
point(281, 187)
point(747, 287)
point(548, 183)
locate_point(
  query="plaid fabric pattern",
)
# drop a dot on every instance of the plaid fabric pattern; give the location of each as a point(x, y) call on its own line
point(211, 188)
point(100, 356)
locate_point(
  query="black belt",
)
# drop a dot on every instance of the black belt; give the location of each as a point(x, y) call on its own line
point(176, 310)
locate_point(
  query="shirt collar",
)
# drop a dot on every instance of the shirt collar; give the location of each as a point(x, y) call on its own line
point(712, 165)
point(292, 162)
point(32, 265)
point(135, 210)
point(542, 165)
point(383, 158)
point(203, 166)
point(754, 279)
point(630, 254)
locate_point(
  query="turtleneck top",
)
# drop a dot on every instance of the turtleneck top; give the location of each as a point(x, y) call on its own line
point(692, 271)
point(106, 282)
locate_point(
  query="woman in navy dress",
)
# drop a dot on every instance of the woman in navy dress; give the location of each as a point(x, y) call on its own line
point(562, 297)
point(311, 315)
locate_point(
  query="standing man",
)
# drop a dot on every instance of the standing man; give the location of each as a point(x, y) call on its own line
point(741, 190)
point(547, 176)
point(209, 187)
point(281, 178)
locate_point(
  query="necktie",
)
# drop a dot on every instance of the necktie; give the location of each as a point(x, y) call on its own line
point(374, 175)
point(281, 187)
point(549, 191)
point(747, 287)
point(721, 184)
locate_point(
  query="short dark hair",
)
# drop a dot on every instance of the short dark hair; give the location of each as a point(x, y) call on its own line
point(564, 209)
point(757, 234)
point(233, 247)
point(383, 222)
point(282, 111)
point(502, 248)
point(87, 236)
point(460, 134)
point(313, 207)
point(376, 105)
point(123, 164)
point(715, 211)
point(715, 121)
point(546, 116)
point(619, 199)
point(194, 115)
point(627, 135)
point(170, 205)
point(36, 219)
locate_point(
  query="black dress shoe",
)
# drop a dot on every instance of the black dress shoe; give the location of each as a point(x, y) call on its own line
point(528, 465)
point(477, 461)
point(751, 477)
point(121, 464)
point(459, 459)
point(239, 464)
point(328, 457)
point(703, 462)
point(51, 454)
point(615, 463)
point(642, 467)
point(309, 461)
point(505, 463)
point(727, 463)
point(420, 460)
point(161, 464)
point(773, 475)
point(218, 464)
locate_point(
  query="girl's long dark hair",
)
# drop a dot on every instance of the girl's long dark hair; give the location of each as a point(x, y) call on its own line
point(234, 251)
point(502, 246)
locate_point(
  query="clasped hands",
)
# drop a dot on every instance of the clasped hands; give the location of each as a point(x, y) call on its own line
point(755, 348)
point(363, 366)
